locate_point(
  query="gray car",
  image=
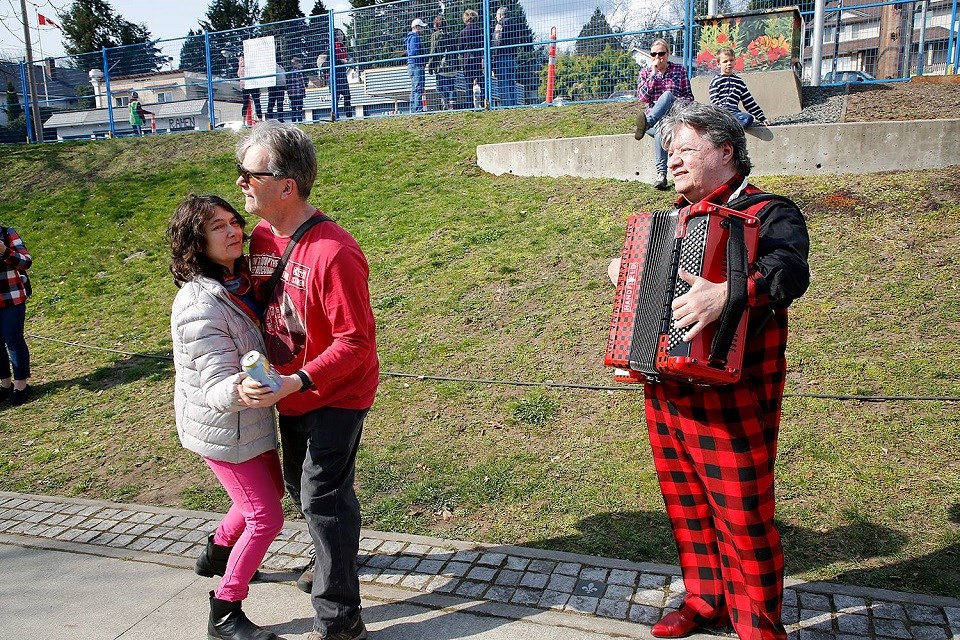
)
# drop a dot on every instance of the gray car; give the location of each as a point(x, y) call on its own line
point(848, 76)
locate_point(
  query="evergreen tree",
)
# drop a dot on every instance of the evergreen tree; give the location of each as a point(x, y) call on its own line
point(229, 22)
point(318, 8)
point(280, 10)
point(193, 52)
point(590, 41)
point(281, 19)
point(530, 60)
point(593, 77)
point(14, 110)
point(377, 33)
point(91, 25)
point(223, 15)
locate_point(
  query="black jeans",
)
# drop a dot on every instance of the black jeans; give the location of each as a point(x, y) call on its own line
point(319, 462)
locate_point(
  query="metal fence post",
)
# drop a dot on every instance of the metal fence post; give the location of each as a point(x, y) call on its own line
point(109, 97)
point(211, 111)
point(487, 57)
point(953, 51)
point(332, 57)
point(26, 102)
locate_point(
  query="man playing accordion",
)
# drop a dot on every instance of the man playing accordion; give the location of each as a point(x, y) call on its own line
point(714, 446)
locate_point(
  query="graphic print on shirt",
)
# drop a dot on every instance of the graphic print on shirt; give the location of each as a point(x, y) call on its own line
point(284, 331)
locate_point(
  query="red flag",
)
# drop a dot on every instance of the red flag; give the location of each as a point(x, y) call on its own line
point(45, 21)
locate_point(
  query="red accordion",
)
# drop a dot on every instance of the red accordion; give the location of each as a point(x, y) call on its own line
point(706, 240)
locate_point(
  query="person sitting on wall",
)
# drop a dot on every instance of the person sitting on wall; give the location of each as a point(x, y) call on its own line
point(728, 90)
point(658, 86)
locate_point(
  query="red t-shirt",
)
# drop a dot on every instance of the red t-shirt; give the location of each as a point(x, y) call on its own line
point(319, 317)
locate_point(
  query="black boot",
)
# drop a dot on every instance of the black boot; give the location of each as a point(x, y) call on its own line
point(228, 622)
point(213, 560)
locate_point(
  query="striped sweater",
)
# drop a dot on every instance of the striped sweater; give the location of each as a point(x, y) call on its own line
point(729, 91)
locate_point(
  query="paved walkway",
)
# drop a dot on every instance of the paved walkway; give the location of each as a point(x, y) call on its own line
point(413, 586)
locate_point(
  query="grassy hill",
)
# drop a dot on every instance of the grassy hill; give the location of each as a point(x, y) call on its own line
point(503, 279)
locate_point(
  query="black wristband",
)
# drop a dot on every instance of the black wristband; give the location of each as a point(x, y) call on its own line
point(305, 379)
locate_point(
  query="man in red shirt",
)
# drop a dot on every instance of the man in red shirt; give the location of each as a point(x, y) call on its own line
point(320, 337)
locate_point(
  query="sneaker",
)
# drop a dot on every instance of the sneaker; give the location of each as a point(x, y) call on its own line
point(356, 631)
point(661, 183)
point(641, 126)
point(18, 397)
point(305, 582)
point(5, 392)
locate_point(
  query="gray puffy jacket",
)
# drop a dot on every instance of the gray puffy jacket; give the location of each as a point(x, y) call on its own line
point(210, 335)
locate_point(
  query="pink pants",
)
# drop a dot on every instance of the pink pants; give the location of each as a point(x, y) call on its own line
point(253, 521)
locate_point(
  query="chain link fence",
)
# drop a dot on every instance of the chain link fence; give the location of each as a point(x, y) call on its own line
point(473, 54)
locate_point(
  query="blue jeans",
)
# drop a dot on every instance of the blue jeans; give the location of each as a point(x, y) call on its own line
point(319, 463)
point(659, 109)
point(745, 119)
point(505, 68)
point(416, 88)
point(11, 332)
point(447, 90)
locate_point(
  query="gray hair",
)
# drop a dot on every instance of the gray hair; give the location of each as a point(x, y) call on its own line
point(291, 152)
point(717, 125)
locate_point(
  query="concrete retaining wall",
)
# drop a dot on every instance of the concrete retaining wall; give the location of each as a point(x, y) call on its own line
point(855, 147)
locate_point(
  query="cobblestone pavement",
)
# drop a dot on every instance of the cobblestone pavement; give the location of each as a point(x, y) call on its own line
point(562, 582)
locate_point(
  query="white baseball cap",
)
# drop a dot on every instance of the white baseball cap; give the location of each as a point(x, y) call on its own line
point(418, 23)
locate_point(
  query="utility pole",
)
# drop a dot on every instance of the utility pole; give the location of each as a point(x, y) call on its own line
point(31, 82)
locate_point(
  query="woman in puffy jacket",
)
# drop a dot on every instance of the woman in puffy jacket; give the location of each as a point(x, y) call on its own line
point(214, 322)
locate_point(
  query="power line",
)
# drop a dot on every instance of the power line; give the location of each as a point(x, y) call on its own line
point(549, 384)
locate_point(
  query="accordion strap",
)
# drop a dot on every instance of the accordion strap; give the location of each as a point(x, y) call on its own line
point(736, 276)
point(736, 293)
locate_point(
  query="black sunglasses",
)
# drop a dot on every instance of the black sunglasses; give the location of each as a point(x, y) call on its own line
point(658, 54)
point(246, 175)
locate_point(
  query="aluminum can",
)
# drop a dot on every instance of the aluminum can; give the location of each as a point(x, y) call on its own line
point(256, 365)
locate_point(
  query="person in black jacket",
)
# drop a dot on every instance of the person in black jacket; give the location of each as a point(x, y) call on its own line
point(470, 44)
point(442, 62)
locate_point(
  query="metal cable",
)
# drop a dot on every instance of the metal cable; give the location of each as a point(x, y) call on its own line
point(550, 384)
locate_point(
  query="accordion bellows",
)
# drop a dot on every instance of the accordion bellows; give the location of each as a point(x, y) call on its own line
point(643, 344)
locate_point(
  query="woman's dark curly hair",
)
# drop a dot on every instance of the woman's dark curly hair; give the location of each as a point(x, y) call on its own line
point(188, 242)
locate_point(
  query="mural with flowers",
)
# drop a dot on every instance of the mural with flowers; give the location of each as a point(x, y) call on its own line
point(761, 40)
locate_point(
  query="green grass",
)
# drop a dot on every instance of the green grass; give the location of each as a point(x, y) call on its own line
point(504, 278)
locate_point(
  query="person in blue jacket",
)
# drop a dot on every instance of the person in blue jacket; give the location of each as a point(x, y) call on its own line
point(416, 62)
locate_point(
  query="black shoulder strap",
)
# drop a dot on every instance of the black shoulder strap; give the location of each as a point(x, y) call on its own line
point(278, 271)
point(745, 202)
point(736, 293)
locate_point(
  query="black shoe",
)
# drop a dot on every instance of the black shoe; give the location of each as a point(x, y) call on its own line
point(661, 183)
point(213, 561)
point(305, 582)
point(5, 392)
point(228, 622)
point(19, 396)
point(356, 631)
point(641, 126)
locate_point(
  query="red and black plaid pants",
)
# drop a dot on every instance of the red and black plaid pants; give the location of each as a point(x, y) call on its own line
point(714, 451)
